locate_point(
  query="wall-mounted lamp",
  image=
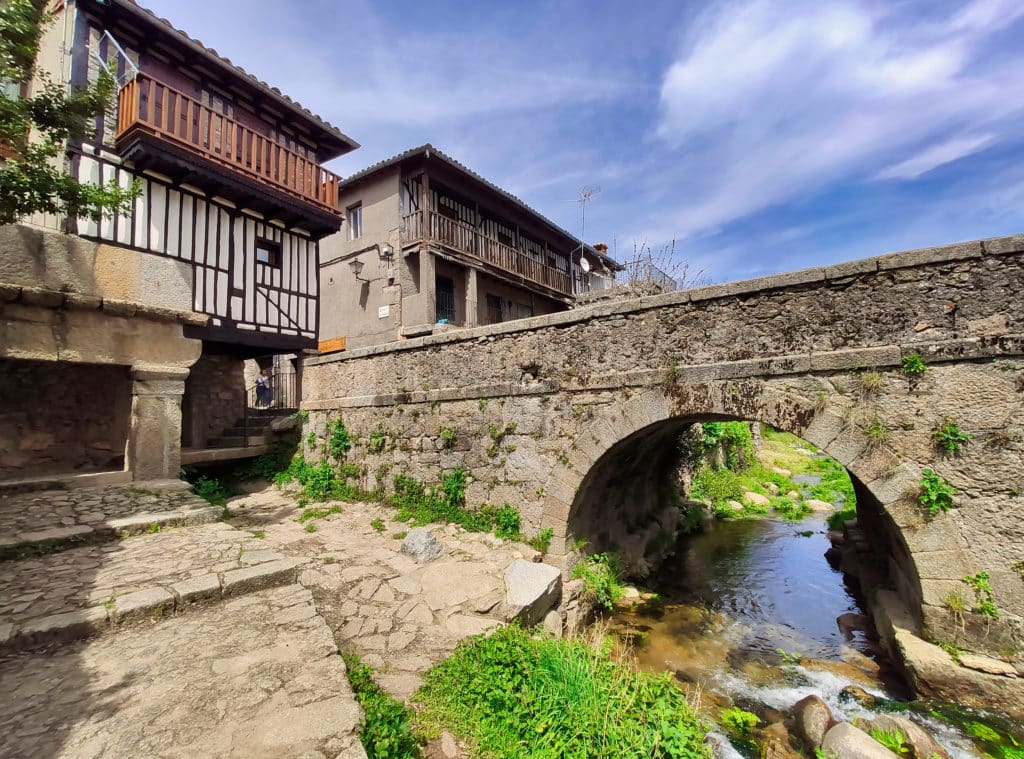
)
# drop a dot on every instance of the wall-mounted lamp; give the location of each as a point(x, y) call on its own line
point(386, 252)
point(357, 267)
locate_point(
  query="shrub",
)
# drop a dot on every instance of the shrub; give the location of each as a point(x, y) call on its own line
point(601, 575)
point(386, 729)
point(948, 437)
point(936, 494)
point(515, 696)
point(211, 490)
point(507, 522)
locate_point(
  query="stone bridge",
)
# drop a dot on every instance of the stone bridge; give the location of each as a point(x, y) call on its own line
point(575, 417)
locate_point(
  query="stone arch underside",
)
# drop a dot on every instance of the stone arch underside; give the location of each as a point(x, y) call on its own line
point(615, 488)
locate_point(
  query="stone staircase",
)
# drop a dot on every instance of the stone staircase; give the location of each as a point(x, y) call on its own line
point(256, 424)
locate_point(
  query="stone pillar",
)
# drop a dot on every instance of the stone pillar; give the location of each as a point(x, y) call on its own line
point(428, 286)
point(471, 298)
point(153, 451)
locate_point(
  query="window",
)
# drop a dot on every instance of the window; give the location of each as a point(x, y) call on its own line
point(268, 252)
point(354, 216)
point(444, 299)
point(495, 309)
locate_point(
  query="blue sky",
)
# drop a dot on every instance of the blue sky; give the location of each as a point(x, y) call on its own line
point(758, 135)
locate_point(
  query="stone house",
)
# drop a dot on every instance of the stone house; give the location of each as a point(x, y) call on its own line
point(125, 340)
point(429, 245)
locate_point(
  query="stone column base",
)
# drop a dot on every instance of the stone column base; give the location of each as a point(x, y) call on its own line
point(153, 451)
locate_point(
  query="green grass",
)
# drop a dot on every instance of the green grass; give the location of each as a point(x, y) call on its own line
point(602, 579)
point(512, 695)
point(837, 518)
point(386, 730)
point(315, 512)
point(378, 525)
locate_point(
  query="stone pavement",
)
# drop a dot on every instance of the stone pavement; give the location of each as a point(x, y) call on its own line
point(255, 676)
point(91, 514)
point(220, 639)
point(89, 588)
point(399, 616)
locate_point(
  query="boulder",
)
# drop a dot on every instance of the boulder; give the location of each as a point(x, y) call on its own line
point(815, 504)
point(756, 499)
point(852, 622)
point(553, 623)
point(734, 505)
point(812, 718)
point(844, 741)
point(858, 694)
point(421, 545)
point(531, 590)
point(921, 743)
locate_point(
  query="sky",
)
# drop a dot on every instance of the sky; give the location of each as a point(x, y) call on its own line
point(731, 139)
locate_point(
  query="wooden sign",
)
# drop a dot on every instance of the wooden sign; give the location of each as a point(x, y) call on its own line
point(332, 345)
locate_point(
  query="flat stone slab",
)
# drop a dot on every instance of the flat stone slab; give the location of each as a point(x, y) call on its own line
point(129, 580)
point(89, 515)
point(251, 677)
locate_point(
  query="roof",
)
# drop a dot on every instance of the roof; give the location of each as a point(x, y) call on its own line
point(211, 55)
point(429, 151)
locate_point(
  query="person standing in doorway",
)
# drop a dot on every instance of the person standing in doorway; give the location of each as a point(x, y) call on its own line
point(263, 389)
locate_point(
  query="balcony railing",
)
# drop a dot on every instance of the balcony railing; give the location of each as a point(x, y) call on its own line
point(146, 104)
point(464, 238)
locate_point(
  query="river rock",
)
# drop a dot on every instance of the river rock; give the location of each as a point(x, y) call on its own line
point(852, 622)
point(775, 743)
point(861, 696)
point(756, 499)
point(734, 505)
point(812, 719)
point(844, 741)
point(921, 743)
point(421, 545)
point(531, 589)
point(814, 504)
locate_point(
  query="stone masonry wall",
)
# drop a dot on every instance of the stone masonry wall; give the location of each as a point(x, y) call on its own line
point(214, 396)
point(540, 407)
point(62, 418)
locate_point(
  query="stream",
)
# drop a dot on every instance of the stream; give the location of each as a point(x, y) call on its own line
point(746, 614)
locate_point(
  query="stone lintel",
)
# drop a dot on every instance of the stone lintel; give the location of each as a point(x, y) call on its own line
point(856, 358)
point(147, 372)
point(168, 388)
point(37, 296)
point(924, 256)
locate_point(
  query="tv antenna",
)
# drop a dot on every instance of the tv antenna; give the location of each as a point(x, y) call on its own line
point(586, 195)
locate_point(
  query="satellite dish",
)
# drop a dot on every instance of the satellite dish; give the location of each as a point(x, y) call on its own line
point(584, 264)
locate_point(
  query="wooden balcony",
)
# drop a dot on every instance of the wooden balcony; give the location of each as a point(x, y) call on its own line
point(148, 107)
point(465, 238)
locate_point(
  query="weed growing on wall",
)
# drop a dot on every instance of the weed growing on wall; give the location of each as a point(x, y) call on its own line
point(949, 438)
point(339, 442)
point(518, 697)
point(446, 502)
point(986, 603)
point(936, 495)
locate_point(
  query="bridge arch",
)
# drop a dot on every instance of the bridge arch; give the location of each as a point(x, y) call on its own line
point(612, 488)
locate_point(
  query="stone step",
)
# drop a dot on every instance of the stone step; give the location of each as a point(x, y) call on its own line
point(94, 589)
point(50, 521)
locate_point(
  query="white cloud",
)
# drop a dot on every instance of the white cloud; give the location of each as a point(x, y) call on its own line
point(771, 100)
point(935, 156)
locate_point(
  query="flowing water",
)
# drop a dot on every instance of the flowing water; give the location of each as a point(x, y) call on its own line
point(747, 613)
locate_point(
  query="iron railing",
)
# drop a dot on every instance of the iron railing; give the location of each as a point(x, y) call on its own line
point(262, 402)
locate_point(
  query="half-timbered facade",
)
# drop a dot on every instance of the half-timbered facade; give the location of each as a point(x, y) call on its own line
point(430, 245)
point(233, 203)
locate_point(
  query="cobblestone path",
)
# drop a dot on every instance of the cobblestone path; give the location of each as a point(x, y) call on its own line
point(220, 640)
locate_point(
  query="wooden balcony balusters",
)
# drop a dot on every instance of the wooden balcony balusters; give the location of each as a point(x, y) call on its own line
point(465, 238)
point(148, 105)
